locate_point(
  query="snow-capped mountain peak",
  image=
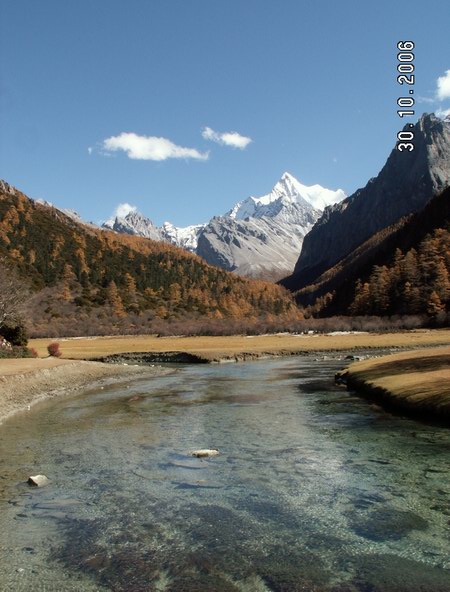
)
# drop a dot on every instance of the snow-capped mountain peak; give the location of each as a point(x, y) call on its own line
point(136, 223)
point(289, 186)
point(186, 238)
point(316, 195)
point(290, 190)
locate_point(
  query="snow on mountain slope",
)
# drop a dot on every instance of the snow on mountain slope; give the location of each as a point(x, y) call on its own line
point(263, 247)
point(67, 211)
point(290, 190)
point(260, 236)
point(186, 238)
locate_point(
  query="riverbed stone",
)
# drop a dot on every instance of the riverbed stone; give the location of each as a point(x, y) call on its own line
point(38, 480)
point(205, 452)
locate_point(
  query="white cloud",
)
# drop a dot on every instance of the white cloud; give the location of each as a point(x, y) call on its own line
point(149, 148)
point(443, 113)
point(90, 149)
point(123, 209)
point(443, 86)
point(227, 138)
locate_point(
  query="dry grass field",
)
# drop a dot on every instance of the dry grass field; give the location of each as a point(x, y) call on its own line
point(411, 381)
point(219, 348)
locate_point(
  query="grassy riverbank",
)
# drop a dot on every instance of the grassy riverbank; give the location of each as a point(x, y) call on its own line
point(239, 346)
point(416, 383)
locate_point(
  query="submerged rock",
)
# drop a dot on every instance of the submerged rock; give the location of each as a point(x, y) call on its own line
point(38, 480)
point(340, 378)
point(205, 452)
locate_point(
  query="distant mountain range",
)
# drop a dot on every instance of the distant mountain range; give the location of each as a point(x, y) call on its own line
point(258, 237)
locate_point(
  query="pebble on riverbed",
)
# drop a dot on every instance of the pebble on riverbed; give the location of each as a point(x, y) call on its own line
point(38, 480)
point(205, 452)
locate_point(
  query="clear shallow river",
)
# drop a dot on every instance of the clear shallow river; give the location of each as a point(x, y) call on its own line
point(314, 490)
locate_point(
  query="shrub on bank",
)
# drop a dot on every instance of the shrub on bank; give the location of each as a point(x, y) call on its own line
point(18, 351)
point(53, 349)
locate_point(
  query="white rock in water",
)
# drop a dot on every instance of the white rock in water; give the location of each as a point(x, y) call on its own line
point(205, 452)
point(38, 480)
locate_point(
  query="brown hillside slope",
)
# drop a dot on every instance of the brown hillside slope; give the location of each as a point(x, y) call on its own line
point(81, 273)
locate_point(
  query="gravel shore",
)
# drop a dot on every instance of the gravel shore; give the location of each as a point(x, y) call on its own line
point(24, 382)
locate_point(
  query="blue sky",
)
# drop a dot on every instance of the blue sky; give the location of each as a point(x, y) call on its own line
point(85, 84)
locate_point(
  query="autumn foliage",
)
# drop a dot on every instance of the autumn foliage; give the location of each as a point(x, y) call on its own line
point(415, 282)
point(87, 277)
point(53, 350)
point(401, 270)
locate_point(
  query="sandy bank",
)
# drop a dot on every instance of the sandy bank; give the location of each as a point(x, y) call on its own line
point(24, 382)
point(416, 383)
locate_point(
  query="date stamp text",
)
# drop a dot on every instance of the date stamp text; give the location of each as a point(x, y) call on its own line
point(406, 78)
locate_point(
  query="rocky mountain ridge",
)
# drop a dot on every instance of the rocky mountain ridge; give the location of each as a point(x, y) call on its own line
point(404, 185)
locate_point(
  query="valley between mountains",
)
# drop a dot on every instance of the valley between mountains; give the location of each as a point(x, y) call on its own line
point(381, 252)
point(258, 237)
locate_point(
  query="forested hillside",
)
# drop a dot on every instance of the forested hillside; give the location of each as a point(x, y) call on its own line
point(403, 269)
point(84, 277)
point(414, 282)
